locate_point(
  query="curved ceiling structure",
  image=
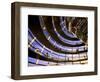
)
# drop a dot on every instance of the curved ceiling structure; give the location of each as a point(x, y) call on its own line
point(50, 44)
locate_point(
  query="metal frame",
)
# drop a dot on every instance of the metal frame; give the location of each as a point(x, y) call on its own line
point(15, 40)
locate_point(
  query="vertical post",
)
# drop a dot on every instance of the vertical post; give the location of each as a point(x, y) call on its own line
point(37, 61)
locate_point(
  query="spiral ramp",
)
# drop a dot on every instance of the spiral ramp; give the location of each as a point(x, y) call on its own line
point(54, 40)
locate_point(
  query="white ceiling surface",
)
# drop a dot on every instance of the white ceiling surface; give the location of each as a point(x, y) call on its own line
point(5, 40)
